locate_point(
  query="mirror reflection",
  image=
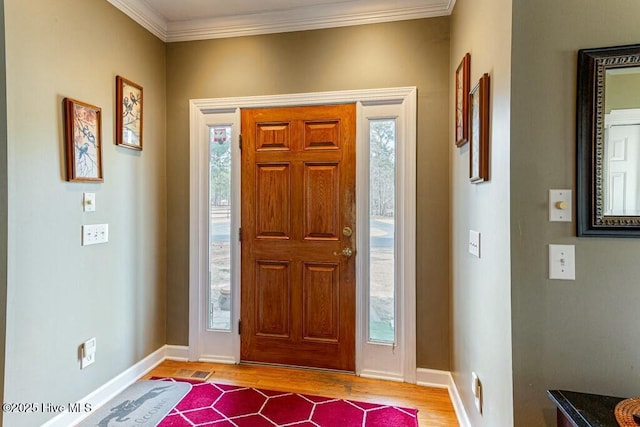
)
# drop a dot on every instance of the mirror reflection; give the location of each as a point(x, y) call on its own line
point(621, 163)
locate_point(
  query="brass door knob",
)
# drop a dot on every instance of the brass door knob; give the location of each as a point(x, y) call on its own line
point(347, 231)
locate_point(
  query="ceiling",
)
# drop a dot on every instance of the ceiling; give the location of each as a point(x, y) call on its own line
point(183, 20)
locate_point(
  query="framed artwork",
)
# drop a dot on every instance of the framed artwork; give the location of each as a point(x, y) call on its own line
point(479, 128)
point(462, 101)
point(128, 114)
point(83, 133)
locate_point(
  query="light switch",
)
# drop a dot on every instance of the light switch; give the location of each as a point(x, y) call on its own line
point(562, 262)
point(560, 205)
point(89, 202)
point(474, 243)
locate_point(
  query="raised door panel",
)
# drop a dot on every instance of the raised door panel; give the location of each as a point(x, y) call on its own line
point(273, 201)
point(272, 289)
point(321, 201)
point(322, 135)
point(273, 136)
point(321, 299)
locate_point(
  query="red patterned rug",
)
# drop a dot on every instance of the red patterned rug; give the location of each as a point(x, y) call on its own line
point(209, 404)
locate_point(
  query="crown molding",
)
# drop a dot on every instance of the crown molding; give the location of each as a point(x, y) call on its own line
point(143, 15)
point(450, 7)
point(298, 19)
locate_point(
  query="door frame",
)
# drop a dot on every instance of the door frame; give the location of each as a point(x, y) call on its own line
point(405, 99)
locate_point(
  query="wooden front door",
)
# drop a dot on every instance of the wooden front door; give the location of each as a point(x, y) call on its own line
point(298, 207)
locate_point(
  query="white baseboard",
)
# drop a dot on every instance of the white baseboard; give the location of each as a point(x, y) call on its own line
point(433, 378)
point(443, 379)
point(217, 359)
point(381, 375)
point(178, 353)
point(454, 395)
point(110, 389)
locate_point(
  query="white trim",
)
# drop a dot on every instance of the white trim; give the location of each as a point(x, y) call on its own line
point(630, 116)
point(452, 4)
point(179, 353)
point(143, 15)
point(381, 375)
point(458, 406)
point(218, 359)
point(433, 378)
point(301, 19)
point(364, 96)
point(341, 14)
point(407, 96)
point(110, 389)
point(197, 257)
point(408, 233)
point(443, 379)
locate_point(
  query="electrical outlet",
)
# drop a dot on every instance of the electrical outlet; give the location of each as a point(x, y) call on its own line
point(474, 243)
point(88, 353)
point(93, 234)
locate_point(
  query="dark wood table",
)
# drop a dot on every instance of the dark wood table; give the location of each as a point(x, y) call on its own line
point(584, 410)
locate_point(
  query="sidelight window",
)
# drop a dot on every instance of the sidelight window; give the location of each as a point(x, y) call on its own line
point(220, 210)
point(382, 283)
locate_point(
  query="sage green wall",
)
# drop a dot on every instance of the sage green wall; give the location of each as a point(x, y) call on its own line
point(59, 293)
point(410, 53)
point(481, 287)
point(575, 335)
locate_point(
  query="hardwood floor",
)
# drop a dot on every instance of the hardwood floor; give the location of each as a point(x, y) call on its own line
point(433, 404)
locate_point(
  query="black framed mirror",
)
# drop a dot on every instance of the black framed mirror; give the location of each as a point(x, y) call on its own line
point(608, 142)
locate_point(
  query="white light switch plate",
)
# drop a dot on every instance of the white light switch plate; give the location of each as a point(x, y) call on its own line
point(560, 205)
point(562, 262)
point(93, 234)
point(474, 243)
point(89, 202)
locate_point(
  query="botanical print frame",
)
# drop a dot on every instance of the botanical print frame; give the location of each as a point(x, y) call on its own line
point(462, 100)
point(128, 113)
point(479, 127)
point(83, 132)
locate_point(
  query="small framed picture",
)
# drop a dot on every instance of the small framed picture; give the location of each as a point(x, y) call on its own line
point(128, 114)
point(83, 134)
point(462, 101)
point(479, 127)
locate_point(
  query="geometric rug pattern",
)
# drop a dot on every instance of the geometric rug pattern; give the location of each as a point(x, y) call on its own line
point(219, 405)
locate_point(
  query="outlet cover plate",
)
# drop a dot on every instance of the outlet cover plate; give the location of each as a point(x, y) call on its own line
point(88, 353)
point(474, 243)
point(92, 234)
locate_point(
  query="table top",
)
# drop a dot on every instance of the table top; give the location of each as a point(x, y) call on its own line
point(586, 410)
